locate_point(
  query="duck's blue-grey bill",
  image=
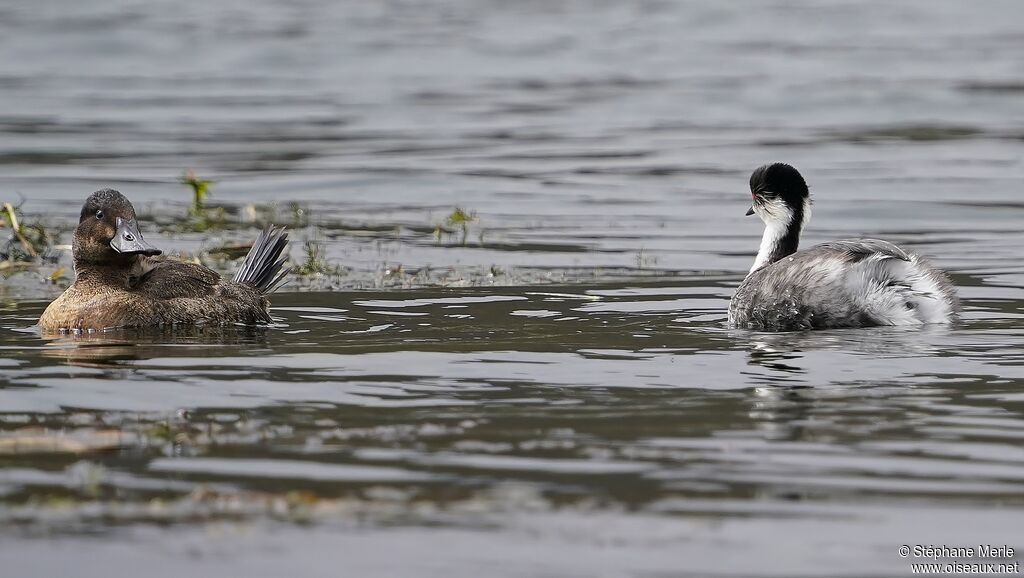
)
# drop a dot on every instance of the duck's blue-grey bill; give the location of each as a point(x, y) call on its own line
point(128, 240)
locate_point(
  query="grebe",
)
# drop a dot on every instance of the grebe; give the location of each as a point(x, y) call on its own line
point(846, 283)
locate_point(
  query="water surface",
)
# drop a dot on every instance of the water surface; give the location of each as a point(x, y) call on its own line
point(557, 393)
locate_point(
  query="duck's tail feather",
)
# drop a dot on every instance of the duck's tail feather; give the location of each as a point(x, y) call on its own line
point(264, 265)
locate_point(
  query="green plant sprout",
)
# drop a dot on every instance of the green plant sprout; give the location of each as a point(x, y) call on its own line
point(458, 219)
point(200, 188)
point(315, 263)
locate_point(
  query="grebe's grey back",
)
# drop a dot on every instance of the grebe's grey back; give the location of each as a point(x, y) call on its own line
point(846, 283)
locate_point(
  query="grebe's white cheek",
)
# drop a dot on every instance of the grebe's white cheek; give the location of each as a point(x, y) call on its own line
point(776, 212)
point(759, 211)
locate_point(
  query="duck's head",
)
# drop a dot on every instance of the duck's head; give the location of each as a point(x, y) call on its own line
point(780, 195)
point(108, 232)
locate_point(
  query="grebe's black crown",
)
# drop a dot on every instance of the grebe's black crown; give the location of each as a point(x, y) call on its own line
point(782, 180)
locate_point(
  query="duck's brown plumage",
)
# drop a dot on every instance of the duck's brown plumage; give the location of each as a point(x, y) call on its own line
point(130, 288)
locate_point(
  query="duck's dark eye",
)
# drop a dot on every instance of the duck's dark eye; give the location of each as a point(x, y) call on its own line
point(99, 215)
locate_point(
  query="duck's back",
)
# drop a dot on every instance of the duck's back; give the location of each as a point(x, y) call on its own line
point(189, 293)
point(847, 283)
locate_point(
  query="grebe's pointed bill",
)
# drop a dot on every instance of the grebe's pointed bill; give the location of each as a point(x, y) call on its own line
point(750, 211)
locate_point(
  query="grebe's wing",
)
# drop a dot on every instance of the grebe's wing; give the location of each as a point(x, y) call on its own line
point(854, 250)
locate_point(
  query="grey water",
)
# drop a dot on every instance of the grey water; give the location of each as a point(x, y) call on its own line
point(555, 391)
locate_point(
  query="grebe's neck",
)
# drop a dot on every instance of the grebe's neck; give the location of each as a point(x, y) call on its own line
point(781, 236)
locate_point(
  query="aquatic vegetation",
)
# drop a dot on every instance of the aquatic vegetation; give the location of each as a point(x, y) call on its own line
point(262, 215)
point(457, 222)
point(394, 270)
point(27, 245)
point(314, 262)
point(200, 189)
point(644, 259)
point(18, 247)
point(298, 214)
point(57, 274)
point(199, 217)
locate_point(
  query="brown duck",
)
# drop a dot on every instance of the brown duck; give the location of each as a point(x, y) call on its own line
point(119, 283)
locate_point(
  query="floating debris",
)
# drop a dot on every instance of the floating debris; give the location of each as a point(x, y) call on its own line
point(36, 440)
point(236, 251)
